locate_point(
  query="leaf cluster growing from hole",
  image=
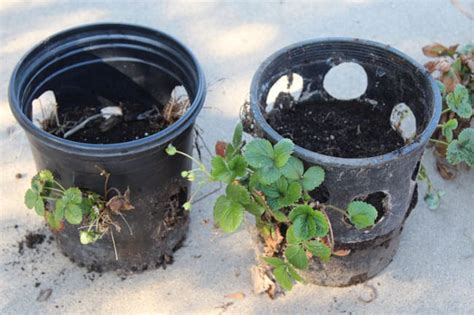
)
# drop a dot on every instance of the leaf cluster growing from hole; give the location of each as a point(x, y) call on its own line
point(91, 211)
point(269, 182)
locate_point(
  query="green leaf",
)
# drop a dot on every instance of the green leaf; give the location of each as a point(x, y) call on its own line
point(296, 256)
point(303, 222)
point(237, 138)
point(361, 214)
point(274, 262)
point(39, 206)
point(255, 208)
point(238, 193)
point(293, 169)
point(282, 277)
point(462, 149)
point(73, 214)
point(308, 223)
point(458, 102)
point(319, 249)
point(294, 274)
point(282, 151)
point(259, 153)
point(322, 225)
point(46, 176)
point(268, 174)
point(271, 191)
point(55, 225)
point(59, 210)
point(228, 172)
point(312, 178)
point(433, 199)
point(30, 198)
point(448, 127)
point(441, 87)
point(291, 237)
point(72, 195)
point(291, 195)
point(88, 237)
point(171, 150)
point(228, 214)
point(279, 216)
point(238, 165)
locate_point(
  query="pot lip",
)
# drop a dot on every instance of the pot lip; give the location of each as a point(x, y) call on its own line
point(317, 158)
point(114, 149)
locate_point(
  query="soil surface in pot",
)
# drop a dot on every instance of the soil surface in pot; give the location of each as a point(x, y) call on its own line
point(341, 129)
point(138, 121)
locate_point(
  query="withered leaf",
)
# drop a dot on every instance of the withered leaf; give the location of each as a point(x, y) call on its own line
point(435, 50)
point(120, 202)
point(342, 252)
point(220, 148)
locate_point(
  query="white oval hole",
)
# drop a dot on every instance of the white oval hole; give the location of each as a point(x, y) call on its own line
point(346, 81)
point(285, 84)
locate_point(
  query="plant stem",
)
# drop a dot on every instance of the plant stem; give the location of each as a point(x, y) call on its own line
point(81, 125)
point(445, 111)
point(201, 166)
point(439, 141)
point(343, 212)
point(49, 198)
point(59, 185)
point(54, 189)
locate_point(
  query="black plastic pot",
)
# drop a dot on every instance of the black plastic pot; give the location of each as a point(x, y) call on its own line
point(387, 180)
point(117, 62)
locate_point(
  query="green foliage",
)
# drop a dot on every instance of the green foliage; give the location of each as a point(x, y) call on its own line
point(361, 214)
point(448, 127)
point(273, 185)
point(170, 150)
point(462, 149)
point(57, 204)
point(458, 102)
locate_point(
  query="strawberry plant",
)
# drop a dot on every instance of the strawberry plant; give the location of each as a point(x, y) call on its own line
point(453, 68)
point(271, 184)
point(91, 211)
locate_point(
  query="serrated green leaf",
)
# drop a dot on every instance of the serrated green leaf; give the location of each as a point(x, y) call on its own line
point(238, 165)
point(274, 262)
point(72, 195)
point(291, 237)
point(39, 206)
point(30, 198)
point(319, 249)
point(361, 214)
point(291, 195)
point(237, 137)
point(220, 170)
point(229, 151)
point(303, 223)
point(73, 214)
point(259, 153)
point(296, 256)
point(293, 169)
point(228, 214)
point(458, 101)
point(322, 224)
point(279, 216)
point(448, 128)
point(55, 225)
point(238, 193)
point(462, 149)
point(255, 208)
point(268, 175)
point(312, 178)
point(59, 210)
point(271, 191)
point(282, 152)
point(282, 277)
point(46, 176)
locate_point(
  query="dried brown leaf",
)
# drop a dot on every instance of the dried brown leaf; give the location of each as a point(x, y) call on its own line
point(235, 296)
point(434, 50)
point(220, 148)
point(341, 252)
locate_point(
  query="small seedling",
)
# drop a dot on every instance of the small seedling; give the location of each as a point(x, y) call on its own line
point(271, 184)
point(91, 211)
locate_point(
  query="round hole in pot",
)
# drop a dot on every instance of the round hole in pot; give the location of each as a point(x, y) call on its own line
point(380, 200)
point(320, 194)
point(284, 91)
point(346, 81)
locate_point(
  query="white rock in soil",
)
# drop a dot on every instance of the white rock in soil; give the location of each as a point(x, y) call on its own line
point(43, 108)
point(403, 121)
point(110, 111)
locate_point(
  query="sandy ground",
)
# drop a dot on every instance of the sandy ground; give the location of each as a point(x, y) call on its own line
point(433, 271)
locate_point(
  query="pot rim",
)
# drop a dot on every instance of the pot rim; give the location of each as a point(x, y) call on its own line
point(26, 65)
point(317, 158)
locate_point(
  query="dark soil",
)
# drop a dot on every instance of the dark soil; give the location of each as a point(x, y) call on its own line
point(341, 129)
point(31, 241)
point(127, 128)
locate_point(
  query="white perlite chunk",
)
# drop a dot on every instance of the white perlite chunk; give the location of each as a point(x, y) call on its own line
point(403, 121)
point(110, 111)
point(44, 108)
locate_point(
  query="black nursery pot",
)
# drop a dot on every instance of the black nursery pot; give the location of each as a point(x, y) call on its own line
point(387, 181)
point(116, 62)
